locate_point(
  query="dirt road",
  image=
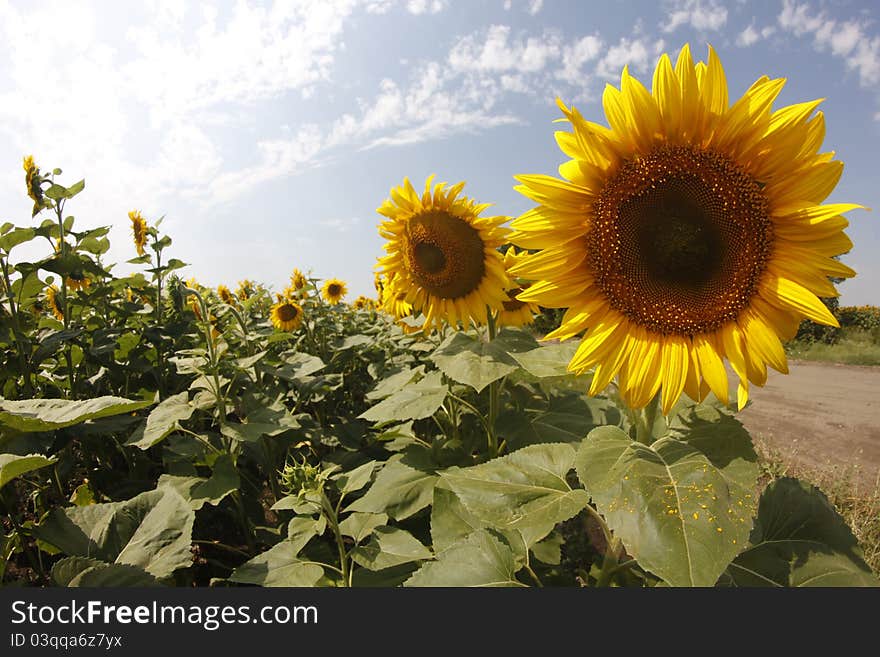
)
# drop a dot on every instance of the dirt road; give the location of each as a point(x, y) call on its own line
point(821, 414)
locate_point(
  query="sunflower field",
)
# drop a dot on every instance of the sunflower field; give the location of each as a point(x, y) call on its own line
point(156, 432)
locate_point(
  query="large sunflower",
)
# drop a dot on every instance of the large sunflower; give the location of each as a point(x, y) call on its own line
point(442, 255)
point(139, 230)
point(687, 232)
point(286, 315)
point(333, 290)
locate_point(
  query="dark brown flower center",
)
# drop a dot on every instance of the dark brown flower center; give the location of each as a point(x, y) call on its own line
point(334, 290)
point(444, 254)
point(680, 239)
point(512, 303)
point(287, 312)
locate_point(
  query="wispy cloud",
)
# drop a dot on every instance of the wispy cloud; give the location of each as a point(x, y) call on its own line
point(849, 40)
point(708, 15)
point(751, 35)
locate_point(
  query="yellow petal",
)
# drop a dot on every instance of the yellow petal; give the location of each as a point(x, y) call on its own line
point(674, 363)
point(788, 294)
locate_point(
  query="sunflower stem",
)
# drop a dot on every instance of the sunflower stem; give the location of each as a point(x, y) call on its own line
point(645, 419)
point(494, 391)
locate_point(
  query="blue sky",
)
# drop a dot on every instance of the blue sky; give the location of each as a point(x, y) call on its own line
point(268, 133)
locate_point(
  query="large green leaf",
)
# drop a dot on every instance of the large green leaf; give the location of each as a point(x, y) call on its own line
point(523, 490)
point(680, 512)
point(479, 560)
point(389, 547)
point(799, 540)
point(394, 382)
point(548, 360)
point(298, 366)
point(471, 361)
point(162, 421)
point(152, 531)
point(12, 465)
point(413, 402)
point(403, 486)
point(567, 419)
point(278, 566)
point(451, 523)
point(83, 571)
point(360, 525)
point(49, 414)
point(198, 491)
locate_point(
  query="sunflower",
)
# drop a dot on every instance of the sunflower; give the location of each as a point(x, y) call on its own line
point(32, 180)
point(392, 302)
point(54, 302)
point(139, 230)
point(515, 312)
point(363, 303)
point(286, 315)
point(225, 295)
point(245, 289)
point(443, 254)
point(333, 290)
point(689, 231)
point(77, 281)
point(297, 280)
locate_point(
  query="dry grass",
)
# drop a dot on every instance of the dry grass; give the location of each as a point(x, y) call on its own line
point(859, 504)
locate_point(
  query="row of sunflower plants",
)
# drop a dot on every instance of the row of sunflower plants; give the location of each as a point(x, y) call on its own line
point(157, 432)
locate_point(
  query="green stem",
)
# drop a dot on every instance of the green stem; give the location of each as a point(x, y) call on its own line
point(243, 519)
point(645, 419)
point(68, 355)
point(609, 564)
point(333, 521)
point(534, 576)
point(23, 364)
point(494, 391)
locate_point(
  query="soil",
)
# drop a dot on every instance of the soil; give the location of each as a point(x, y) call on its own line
point(821, 416)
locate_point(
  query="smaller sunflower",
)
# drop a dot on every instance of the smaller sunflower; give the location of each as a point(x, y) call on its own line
point(363, 303)
point(286, 315)
point(333, 291)
point(514, 311)
point(139, 230)
point(245, 289)
point(225, 295)
point(195, 306)
point(33, 180)
point(54, 302)
point(77, 281)
point(443, 254)
point(298, 280)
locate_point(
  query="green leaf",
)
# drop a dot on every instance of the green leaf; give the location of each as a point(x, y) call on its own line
point(395, 382)
point(412, 402)
point(49, 414)
point(800, 540)
point(403, 487)
point(361, 525)
point(152, 531)
point(248, 432)
point(389, 547)
point(278, 566)
point(198, 491)
point(523, 490)
point(515, 340)
point(568, 419)
point(83, 571)
point(12, 465)
point(680, 515)
point(548, 360)
point(16, 237)
point(298, 366)
point(469, 360)
point(451, 523)
point(162, 421)
point(479, 560)
point(354, 480)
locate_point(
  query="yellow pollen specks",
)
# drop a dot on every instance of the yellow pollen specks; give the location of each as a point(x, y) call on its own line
point(696, 516)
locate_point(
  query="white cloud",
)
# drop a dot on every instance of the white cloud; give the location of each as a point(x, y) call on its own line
point(535, 6)
point(637, 53)
point(701, 16)
point(574, 57)
point(498, 52)
point(751, 35)
point(426, 6)
point(848, 40)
